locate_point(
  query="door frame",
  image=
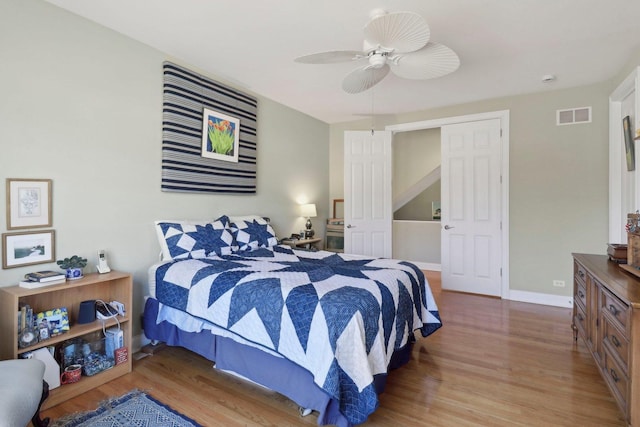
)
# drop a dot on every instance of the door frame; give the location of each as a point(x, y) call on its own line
point(503, 116)
point(624, 187)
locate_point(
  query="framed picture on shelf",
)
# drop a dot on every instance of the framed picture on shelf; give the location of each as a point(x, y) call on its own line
point(51, 323)
point(220, 136)
point(26, 248)
point(28, 203)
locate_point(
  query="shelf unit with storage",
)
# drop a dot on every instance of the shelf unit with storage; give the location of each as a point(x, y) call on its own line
point(606, 315)
point(113, 286)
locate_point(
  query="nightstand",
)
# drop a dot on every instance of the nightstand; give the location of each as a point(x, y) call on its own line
point(306, 244)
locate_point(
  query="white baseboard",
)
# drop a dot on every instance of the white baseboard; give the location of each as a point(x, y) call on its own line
point(427, 266)
point(543, 299)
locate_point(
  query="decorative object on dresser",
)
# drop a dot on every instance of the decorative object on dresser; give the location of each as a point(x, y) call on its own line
point(113, 286)
point(334, 235)
point(308, 211)
point(28, 203)
point(27, 248)
point(606, 315)
point(617, 252)
point(633, 244)
point(73, 266)
point(338, 208)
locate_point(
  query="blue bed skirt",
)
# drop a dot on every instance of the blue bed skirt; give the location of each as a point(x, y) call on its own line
point(275, 373)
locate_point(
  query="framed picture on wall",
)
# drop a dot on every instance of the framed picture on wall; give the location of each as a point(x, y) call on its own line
point(28, 203)
point(26, 248)
point(628, 143)
point(220, 136)
point(436, 212)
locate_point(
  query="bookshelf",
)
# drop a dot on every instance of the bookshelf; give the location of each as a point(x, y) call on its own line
point(113, 286)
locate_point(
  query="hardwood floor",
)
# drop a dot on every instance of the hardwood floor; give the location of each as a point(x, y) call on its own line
point(493, 363)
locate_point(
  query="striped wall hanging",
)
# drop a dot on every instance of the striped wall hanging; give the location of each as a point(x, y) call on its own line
point(185, 166)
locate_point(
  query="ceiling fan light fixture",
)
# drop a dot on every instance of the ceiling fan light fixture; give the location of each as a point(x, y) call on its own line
point(377, 60)
point(397, 42)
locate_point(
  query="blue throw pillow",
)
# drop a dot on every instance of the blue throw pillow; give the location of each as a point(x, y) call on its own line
point(184, 240)
point(252, 234)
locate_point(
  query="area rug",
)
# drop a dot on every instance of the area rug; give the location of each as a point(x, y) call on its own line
point(134, 409)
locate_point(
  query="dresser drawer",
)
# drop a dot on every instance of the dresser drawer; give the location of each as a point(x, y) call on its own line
point(616, 310)
point(580, 292)
point(580, 321)
point(617, 380)
point(617, 343)
point(580, 272)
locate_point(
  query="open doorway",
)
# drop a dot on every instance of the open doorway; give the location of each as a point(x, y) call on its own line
point(503, 119)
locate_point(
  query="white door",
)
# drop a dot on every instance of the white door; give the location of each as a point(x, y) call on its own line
point(471, 207)
point(367, 193)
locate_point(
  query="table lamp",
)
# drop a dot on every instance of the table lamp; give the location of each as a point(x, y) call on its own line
point(308, 211)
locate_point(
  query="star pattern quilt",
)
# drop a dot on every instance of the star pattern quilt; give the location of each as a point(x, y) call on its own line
point(340, 317)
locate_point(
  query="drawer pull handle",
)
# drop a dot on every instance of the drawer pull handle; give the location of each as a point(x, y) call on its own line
point(613, 310)
point(614, 375)
point(615, 341)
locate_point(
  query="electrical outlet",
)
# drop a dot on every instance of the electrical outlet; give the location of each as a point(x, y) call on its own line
point(558, 283)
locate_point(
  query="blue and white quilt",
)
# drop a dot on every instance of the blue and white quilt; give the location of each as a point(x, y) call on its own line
point(340, 317)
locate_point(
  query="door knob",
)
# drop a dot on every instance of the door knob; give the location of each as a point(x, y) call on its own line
point(448, 227)
point(351, 226)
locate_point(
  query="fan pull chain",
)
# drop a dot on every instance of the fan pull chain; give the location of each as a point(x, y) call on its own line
point(373, 115)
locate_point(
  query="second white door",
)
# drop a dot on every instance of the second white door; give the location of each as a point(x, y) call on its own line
point(471, 207)
point(367, 193)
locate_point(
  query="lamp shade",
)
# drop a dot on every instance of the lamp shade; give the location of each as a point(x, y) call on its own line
point(308, 211)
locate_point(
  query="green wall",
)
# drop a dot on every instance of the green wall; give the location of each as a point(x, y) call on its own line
point(558, 187)
point(82, 105)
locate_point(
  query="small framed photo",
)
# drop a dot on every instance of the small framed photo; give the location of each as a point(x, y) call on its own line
point(436, 212)
point(220, 136)
point(28, 203)
point(26, 248)
point(51, 323)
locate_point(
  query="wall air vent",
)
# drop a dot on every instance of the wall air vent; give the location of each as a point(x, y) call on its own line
point(573, 116)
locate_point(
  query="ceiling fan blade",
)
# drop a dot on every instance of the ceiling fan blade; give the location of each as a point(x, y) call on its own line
point(332, 57)
point(434, 60)
point(364, 78)
point(402, 31)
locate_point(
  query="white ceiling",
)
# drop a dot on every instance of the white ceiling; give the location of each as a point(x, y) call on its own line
point(505, 46)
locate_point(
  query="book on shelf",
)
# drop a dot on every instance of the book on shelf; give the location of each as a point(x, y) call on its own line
point(32, 284)
point(44, 276)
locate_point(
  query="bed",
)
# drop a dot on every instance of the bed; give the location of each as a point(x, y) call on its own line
point(319, 327)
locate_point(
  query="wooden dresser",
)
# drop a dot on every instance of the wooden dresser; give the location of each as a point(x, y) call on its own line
point(606, 314)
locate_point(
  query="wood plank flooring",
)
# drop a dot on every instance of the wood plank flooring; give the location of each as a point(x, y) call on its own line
point(493, 363)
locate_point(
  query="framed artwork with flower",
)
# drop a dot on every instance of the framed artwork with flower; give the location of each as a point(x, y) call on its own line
point(220, 136)
point(28, 203)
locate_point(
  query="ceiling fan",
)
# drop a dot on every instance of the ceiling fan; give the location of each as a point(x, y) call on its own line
point(397, 42)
